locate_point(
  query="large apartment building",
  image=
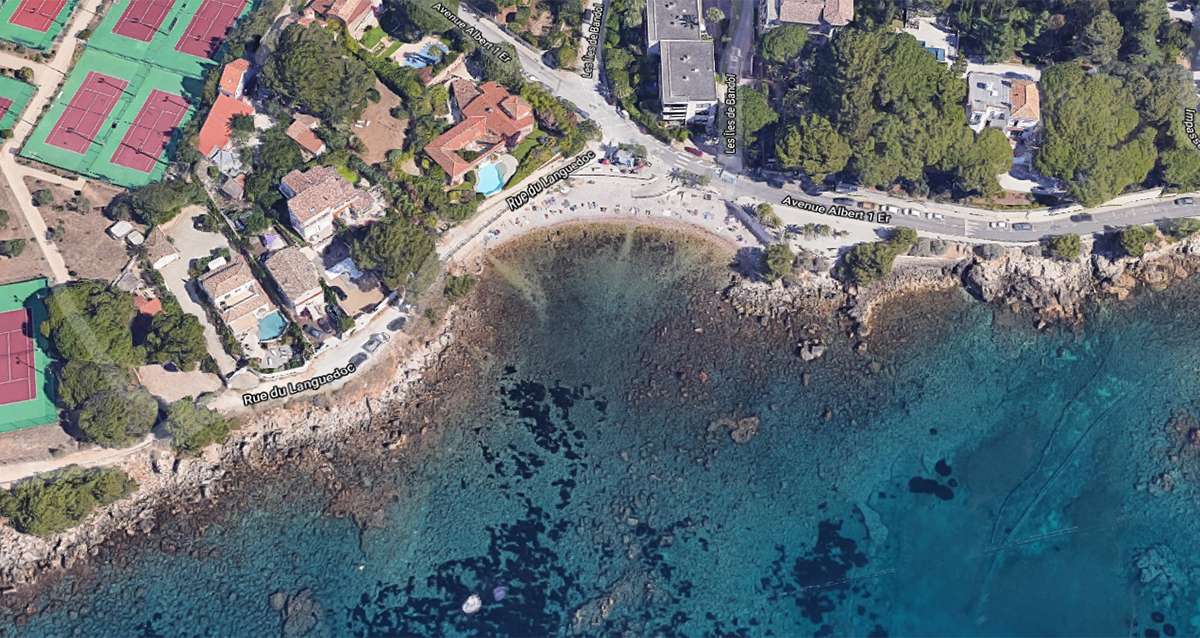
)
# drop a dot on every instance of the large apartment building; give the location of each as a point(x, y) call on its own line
point(687, 86)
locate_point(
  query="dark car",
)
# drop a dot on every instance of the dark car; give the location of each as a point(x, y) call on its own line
point(1082, 217)
point(359, 359)
point(844, 201)
point(1185, 201)
point(846, 187)
point(775, 182)
point(1022, 226)
point(396, 324)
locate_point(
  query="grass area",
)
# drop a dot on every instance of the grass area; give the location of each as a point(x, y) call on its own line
point(392, 48)
point(347, 173)
point(372, 37)
point(527, 144)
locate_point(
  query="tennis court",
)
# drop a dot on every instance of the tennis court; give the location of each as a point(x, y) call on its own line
point(26, 391)
point(79, 123)
point(142, 18)
point(16, 357)
point(34, 23)
point(206, 31)
point(147, 138)
point(37, 14)
point(14, 97)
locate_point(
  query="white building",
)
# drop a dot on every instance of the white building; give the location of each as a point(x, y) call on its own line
point(1012, 105)
point(687, 62)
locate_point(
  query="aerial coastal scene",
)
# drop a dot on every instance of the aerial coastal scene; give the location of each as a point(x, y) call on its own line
point(599, 318)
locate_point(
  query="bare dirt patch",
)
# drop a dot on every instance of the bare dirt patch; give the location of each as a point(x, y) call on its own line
point(89, 252)
point(34, 444)
point(384, 132)
point(30, 263)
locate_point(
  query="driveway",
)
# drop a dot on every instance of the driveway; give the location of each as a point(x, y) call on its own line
point(192, 244)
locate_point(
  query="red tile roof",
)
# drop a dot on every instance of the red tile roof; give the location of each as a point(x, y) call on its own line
point(232, 75)
point(147, 306)
point(301, 131)
point(215, 132)
point(491, 116)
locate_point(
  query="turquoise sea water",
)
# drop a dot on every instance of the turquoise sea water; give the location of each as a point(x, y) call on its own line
point(972, 479)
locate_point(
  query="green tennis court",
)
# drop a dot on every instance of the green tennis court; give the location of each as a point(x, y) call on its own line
point(150, 30)
point(34, 23)
point(34, 405)
point(14, 97)
point(98, 151)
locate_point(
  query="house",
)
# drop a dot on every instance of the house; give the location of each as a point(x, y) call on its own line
point(822, 14)
point(299, 281)
point(490, 120)
point(214, 134)
point(233, 78)
point(234, 187)
point(237, 296)
point(302, 131)
point(357, 15)
point(147, 306)
point(159, 250)
point(686, 60)
point(1012, 105)
point(120, 229)
point(320, 195)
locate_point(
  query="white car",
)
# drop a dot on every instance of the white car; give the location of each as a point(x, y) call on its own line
point(937, 215)
point(911, 211)
point(997, 224)
point(888, 208)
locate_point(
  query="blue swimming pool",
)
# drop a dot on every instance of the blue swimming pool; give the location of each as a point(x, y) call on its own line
point(271, 327)
point(488, 178)
point(431, 54)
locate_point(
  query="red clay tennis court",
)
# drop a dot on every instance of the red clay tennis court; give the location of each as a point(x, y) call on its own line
point(207, 29)
point(37, 14)
point(85, 114)
point(17, 379)
point(150, 132)
point(5, 103)
point(142, 18)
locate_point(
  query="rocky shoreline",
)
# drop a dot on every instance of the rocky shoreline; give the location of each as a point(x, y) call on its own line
point(308, 428)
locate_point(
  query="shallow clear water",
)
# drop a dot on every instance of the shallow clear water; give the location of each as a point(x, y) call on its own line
point(978, 480)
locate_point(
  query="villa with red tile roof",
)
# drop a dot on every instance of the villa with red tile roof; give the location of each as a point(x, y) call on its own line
point(233, 78)
point(491, 120)
point(355, 14)
point(214, 135)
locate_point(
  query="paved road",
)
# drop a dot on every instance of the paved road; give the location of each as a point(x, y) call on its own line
point(958, 222)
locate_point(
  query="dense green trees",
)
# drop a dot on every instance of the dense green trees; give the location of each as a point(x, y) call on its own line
point(52, 502)
point(411, 19)
point(1135, 238)
point(755, 113)
point(117, 419)
point(159, 202)
point(458, 286)
point(313, 72)
point(90, 322)
point(79, 380)
point(783, 43)
point(869, 261)
point(1064, 247)
point(981, 161)
point(492, 68)
point(194, 427)
point(777, 261)
point(1093, 136)
point(276, 156)
point(813, 146)
point(1101, 39)
point(393, 247)
point(176, 337)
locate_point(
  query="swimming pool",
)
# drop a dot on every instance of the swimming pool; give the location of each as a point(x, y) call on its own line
point(431, 54)
point(271, 327)
point(489, 180)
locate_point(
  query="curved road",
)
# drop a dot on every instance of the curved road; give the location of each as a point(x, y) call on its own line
point(958, 222)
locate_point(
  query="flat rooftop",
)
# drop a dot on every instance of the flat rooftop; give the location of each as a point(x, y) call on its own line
point(672, 20)
point(687, 72)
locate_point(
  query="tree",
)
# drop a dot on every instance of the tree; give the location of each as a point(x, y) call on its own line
point(813, 146)
point(492, 68)
point(1135, 238)
point(176, 337)
point(79, 380)
point(714, 15)
point(989, 156)
point(411, 19)
point(1100, 40)
point(159, 202)
point(783, 43)
point(193, 427)
point(52, 502)
point(242, 126)
point(1064, 247)
point(12, 247)
point(43, 197)
point(117, 419)
point(277, 155)
point(458, 286)
point(766, 214)
point(312, 71)
point(25, 74)
point(867, 262)
point(89, 322)
point(755, 112)
point(3, 218)
point(394, 247)
point(777, 261)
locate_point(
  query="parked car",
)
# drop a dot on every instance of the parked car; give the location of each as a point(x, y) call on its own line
point(867, 205)
point(1185, 201)
point(1082, 217)
point(375, 341)
point(846, 187)
point(888, 208)
point(997, 224)
point(915, 212)
point(844, 201)
point(396, 324)
point(314, 332)
point(1022, 226)
point(359, 359)
point(694, 151)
